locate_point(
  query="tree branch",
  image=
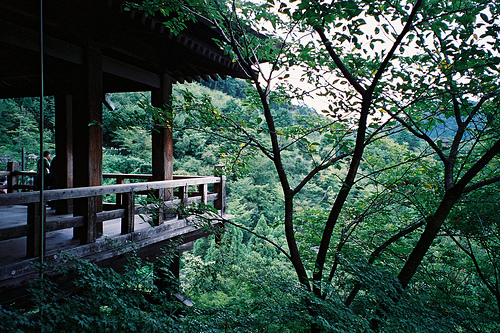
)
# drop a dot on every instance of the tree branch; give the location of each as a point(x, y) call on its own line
point(336, 59)
point(259, 236)
point(480, 184)
point(422, 136)
point(317, 169)
point(388, 57)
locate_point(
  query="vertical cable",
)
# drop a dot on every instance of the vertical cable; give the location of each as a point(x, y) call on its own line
point(42, 163)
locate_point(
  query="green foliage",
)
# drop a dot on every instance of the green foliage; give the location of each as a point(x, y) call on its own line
point(19, 128)
point(127, 113)
point(238, 293)
point(177, 14)
point(134, 141)
point(113, 163)
point(103, 301)
point(232, 87)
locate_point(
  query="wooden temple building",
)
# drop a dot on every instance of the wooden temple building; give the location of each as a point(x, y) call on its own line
point(92, 48)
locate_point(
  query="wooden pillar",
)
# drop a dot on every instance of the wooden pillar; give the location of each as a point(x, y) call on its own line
point(62, 163)
point(87, 147)
point(175, 265)
point(162, 143)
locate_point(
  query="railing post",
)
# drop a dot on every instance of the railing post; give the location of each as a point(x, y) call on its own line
point(183, 195)
point(128, 203)
point(34, 230)
point(87, 207)
point(220, 189)
point(119, 198)
point(13, 177)
point(160, 196)
point(203, 190)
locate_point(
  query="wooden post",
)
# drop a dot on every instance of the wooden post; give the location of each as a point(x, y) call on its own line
point(184, 195)
point(220, 202)
point(90, 229)
point(62, 163)
point(220, 189)
point(119, 196)
point(203, 190)
point(87, 158)
point(162, 144)
point(128, 203)
point(13, 177)
point(34, 230)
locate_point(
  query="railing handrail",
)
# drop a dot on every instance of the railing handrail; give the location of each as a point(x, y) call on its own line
point(127, 175)
point(142, 176)
point(80, 192)
point(104, 175)
point(23, 173)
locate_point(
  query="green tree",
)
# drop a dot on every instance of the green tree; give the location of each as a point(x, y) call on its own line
point(415, 66)
point(20, 118)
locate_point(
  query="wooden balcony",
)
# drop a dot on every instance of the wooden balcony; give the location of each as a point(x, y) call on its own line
point(104, 236)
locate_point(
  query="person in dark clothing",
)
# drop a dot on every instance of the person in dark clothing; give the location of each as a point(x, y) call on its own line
point(43, 170)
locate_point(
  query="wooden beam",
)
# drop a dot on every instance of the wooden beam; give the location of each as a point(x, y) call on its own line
point(129, 72)
point(14, 232)
point(27, 39)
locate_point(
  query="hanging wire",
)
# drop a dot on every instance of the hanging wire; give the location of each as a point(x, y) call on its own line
point(41, 161)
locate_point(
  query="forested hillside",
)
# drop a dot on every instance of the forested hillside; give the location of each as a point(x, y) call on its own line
point(246, 281)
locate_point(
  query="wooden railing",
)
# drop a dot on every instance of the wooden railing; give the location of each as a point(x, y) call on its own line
point(183, 190)
point(14, 175)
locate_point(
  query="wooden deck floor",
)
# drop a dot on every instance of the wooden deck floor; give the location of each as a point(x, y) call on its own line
point(14, 250)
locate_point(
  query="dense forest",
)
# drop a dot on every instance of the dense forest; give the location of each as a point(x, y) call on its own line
point(378, 214)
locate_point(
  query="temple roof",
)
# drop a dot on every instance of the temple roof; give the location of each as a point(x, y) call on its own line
point(137, 50)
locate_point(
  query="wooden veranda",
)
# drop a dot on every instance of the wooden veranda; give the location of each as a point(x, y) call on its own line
point(92, 48)
point(124, 226)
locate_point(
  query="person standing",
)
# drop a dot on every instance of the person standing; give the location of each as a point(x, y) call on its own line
point(43, 170)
